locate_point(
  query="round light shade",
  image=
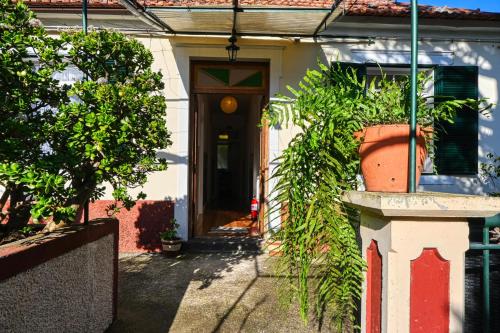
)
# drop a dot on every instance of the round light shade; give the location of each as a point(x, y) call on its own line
point(228, 104)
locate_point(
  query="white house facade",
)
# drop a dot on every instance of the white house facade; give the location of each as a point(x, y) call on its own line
point(213, 151)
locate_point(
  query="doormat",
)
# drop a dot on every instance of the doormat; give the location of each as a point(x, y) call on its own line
point(228, 230)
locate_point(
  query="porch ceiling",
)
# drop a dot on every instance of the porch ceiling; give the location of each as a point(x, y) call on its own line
point(258, 21)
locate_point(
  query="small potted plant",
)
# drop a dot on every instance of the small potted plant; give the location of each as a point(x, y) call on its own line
point(171, 244)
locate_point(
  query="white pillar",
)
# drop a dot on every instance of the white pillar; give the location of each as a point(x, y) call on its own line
point(421, 239)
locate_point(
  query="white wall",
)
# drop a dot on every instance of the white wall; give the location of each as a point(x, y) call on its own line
point(172, 58)
point(288, 63)
point(484, 55)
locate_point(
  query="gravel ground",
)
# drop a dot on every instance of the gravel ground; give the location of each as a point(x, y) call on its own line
point(218, 292)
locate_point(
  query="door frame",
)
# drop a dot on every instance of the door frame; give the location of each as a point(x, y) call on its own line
point(193, 133)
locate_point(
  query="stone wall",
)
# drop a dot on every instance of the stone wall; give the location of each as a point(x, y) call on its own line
point(62, 282)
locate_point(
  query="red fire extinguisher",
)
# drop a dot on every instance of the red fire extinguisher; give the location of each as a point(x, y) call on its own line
point(254, 208)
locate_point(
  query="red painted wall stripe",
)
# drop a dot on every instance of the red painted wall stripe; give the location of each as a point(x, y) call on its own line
point(140, 226)
point(373, 289)
point(430, 293)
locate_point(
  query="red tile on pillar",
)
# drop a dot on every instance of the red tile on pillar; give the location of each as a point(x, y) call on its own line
point(430, 293)
point(373, 289)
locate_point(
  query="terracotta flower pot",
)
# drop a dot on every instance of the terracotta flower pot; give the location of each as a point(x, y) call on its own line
point(171, 247)
point(384, 157)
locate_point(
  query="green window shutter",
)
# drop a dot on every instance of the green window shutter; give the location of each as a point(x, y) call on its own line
point(360, 69)
point(456, 147)
point(345, 66)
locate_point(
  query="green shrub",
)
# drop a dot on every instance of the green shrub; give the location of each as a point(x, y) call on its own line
point(60, 144)
point(28, 93)
point(171, 232)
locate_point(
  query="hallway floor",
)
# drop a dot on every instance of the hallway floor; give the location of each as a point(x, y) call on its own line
point(216, 223)
point(212, 292)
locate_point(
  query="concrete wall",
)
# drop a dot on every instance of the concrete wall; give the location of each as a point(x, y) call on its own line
point(64, 282)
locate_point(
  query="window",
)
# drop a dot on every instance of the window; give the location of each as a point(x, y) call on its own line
point(222, 156)
point(392, 73)
point(456, 150)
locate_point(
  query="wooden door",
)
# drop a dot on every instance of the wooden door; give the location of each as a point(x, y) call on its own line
point(193, 165)
point(264, 168)
point(213, 77)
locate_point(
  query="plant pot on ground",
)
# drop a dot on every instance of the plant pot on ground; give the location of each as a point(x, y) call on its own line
point(171, 244)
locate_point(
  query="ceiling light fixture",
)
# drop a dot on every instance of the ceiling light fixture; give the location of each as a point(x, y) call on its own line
point(228, 104)
point(232, 49)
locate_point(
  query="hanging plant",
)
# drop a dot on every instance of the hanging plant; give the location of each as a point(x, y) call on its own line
point(320, 255)
point(321, 259)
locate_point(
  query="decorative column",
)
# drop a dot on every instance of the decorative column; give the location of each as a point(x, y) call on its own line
point(414, 245)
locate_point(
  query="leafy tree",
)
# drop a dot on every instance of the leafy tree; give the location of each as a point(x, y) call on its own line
point(110, 131)
point(28, 60)
point(59, 145)
point(490, 172)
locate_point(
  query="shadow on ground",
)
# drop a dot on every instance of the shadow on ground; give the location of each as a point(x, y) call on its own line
point(211, 292)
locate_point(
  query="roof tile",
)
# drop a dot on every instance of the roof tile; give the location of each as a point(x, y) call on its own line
point(384, 8)
point(392, 8)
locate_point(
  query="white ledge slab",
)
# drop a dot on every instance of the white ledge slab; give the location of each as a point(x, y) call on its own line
point(423, 204)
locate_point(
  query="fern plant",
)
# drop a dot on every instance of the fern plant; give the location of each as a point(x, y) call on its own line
point(321, 259)
point(320, 255)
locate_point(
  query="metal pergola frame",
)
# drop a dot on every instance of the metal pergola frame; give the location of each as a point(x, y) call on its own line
point(236, 8)
point(414, 102)
point(323, 24)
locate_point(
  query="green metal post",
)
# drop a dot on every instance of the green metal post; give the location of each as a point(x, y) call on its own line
point(84, 16)
point(486, 281)
point(84, 27)
point(413, 111)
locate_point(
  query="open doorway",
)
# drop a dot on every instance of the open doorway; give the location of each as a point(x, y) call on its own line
point(227, 159)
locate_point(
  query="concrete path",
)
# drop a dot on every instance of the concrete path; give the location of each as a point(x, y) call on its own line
point(201, 293)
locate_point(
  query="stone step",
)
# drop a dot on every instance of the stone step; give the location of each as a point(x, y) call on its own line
point(227, 244)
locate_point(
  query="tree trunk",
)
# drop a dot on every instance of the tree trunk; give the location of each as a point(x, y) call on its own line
point(19, 210)
point(3, 201)
point(52, 226)
point(77, 202)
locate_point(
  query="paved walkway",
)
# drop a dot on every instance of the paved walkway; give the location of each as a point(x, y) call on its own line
point(201, 293)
